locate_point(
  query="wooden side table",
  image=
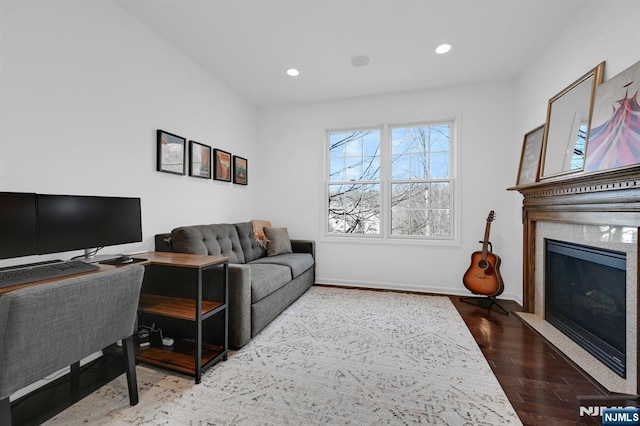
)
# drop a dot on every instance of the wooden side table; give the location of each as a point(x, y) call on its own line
point(185, 297)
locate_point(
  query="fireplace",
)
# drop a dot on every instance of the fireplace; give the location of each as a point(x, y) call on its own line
point(600, 210)
point(585, 298)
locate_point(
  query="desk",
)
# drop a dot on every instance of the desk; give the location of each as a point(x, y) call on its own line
point(173, 298)
point(50, 280)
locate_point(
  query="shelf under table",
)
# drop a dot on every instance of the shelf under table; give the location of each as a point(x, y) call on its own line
point(180, 356)
point(175, 307)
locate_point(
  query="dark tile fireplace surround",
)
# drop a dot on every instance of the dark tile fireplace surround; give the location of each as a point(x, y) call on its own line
point(601, 213)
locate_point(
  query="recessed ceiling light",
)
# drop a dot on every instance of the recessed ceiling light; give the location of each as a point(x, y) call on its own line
point(443, 48)
point(360, 61)
point(293, 72)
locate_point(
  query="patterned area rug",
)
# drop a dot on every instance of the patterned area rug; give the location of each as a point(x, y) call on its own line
point(336, 356)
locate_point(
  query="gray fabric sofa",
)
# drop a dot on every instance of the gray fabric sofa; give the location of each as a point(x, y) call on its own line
point(260, 286)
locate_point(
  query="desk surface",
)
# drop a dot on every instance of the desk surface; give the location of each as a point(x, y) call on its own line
point(183, 260)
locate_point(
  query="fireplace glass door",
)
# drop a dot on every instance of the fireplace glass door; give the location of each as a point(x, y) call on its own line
point(585, 298)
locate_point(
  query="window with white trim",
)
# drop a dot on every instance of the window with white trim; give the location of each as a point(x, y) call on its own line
point(391, 182)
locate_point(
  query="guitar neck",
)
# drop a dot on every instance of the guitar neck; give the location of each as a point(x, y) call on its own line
point(485, 242)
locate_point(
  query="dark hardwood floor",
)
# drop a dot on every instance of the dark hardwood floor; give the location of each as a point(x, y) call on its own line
point(541, 384)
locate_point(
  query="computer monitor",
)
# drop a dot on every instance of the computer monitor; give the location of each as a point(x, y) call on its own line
point(73, 222)
point(18, 225)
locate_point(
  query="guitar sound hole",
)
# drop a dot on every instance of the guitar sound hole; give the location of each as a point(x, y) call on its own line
point(483, 264)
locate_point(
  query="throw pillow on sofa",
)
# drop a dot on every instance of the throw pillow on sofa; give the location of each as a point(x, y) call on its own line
point(278, 241)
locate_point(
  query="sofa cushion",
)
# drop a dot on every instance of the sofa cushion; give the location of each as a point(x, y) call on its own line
point(278, 241)
point(250, 246)
point(297, 262)
point(266, 278)
point(214, 240)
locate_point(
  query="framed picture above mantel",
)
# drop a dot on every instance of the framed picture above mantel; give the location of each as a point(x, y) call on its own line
point(614, 135)
point(529, 171)
point(567, 126)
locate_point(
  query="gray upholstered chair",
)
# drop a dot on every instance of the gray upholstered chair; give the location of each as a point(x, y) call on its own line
point(45, 328)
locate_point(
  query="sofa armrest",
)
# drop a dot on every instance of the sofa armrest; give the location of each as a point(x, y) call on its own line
point(239, 308)
point(304, 246)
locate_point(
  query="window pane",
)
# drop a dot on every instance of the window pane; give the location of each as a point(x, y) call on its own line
point(419, 222)
point(439, 223)
point(354, 209)
point(419, 195)
point(371, 168)
point(399, 167)
point(400, 223)
point(420, 209)
point(439, 196)
point(439, 165)
point(409, 204)
point(372, 143)
point(418, 166)
point(336, 144)
point(420, 152)
point(336, 170)
point(419, 138)
point(353, 169)
point(354, 155)
point(354, 147)
point(440, 138)
point(401, 195)
point(399, 143)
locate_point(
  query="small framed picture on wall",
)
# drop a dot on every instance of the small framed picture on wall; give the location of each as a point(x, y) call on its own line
point(170, 152)
point(221, 165)
point(199, 160)
point(239, 170)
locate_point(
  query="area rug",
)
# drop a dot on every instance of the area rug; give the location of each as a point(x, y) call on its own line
point(336, 357)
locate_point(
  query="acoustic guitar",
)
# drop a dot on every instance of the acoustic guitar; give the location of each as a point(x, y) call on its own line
point(483, 276)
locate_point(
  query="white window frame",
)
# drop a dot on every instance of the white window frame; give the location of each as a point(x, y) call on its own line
point(385, 236)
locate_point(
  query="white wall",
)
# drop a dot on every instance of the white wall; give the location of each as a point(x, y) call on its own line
point(292, 149)
point(85, 86)
point(603, 31)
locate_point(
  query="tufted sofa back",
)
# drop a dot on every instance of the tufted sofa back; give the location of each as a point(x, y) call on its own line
point(250, 246)
point(219, 239)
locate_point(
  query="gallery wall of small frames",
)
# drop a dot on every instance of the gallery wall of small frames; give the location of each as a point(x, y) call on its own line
point(175, 156)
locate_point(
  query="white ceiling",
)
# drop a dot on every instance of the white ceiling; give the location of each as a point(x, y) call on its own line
point(248, 44)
